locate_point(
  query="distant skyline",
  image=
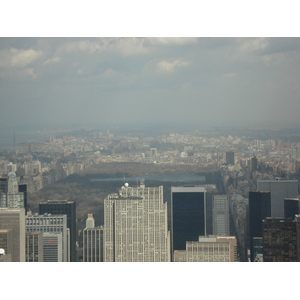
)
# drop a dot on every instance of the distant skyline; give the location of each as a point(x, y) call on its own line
point(150, 81)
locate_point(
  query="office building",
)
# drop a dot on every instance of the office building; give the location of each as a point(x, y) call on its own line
point(259, 209)
point(14, 219)
point(279, 240)
point(63, 207)
point(10, 196)
point(280, 189)
point(209, 249)
point(291, 207)
point(220, 215)
point(34, 247)
point(135, 225)
point(52, 247)
point(253, 164)
point(93, 246)
point(188, 215)
point(230, 158)
point(54, 224)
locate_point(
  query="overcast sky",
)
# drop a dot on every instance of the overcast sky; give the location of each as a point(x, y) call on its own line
point(211, 81)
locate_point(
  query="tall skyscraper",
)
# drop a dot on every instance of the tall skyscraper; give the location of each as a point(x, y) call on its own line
point(136, 225)
point(220, 215)
point(93, 246)
point(230, 158)
point(280, 189)
point(14, 218)
point(11, 197)
point(259, 209)
point(54, 225)
point(188, 215)
point(279, 240)
point(209, 249)
point(63, 207)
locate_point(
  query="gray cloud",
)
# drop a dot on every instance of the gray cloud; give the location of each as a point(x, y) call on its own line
point(218, 81)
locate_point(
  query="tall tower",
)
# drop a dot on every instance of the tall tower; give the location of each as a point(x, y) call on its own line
point(136, 225)
point(11, 197)
point(259, 209)
point(63, 207)
point(230, 158)
point(188, 215)
point(291, 207)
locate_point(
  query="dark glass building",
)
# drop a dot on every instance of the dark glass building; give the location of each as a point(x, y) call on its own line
point(291, 207)
point(279, 240)
point(259, 209)
point(188, 217)
point(63, 207)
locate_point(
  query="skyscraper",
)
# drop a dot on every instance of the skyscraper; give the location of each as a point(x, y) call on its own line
point(11, 197)
point(54, 225)
point(14, 218)
point(279, 240)
point(280, 189)
point(63, 207)
point(136, 225)
point(220, 215)
point(188, 215)
point(259, 209)
point(230, 158)
point(93, 246)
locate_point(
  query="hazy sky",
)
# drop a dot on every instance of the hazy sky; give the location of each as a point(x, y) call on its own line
point(212, 81)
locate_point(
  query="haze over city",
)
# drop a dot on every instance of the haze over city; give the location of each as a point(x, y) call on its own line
point(149, 81)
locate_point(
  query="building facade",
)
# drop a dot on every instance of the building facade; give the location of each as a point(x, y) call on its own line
point(259, 209)
point(220, 215)
point(63, 207)
point(34, 247)
point(14, 219)
point(279, 240)
point(188, 215)
point(135, 225)
point(209, 249)
point(54, 224)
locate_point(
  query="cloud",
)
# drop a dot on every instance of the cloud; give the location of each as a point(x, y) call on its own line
point(18, 58)
point(171, 66)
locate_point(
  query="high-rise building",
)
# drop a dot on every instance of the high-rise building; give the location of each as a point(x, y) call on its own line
point(279, 240)
point(230, 158)
point(188, 215)
point(54, 224)
point(14, 219)
point(10, 196)
point(209, 249)
point(253, 164)
point(4, 257)
point(63, 207)
point(52, 247)
point(259, 209)
point(93, 245)
point(34, 247)
point(291, 207)
point(280, 189)
point(220, 215)
point(136, 225)
point(6, 240)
